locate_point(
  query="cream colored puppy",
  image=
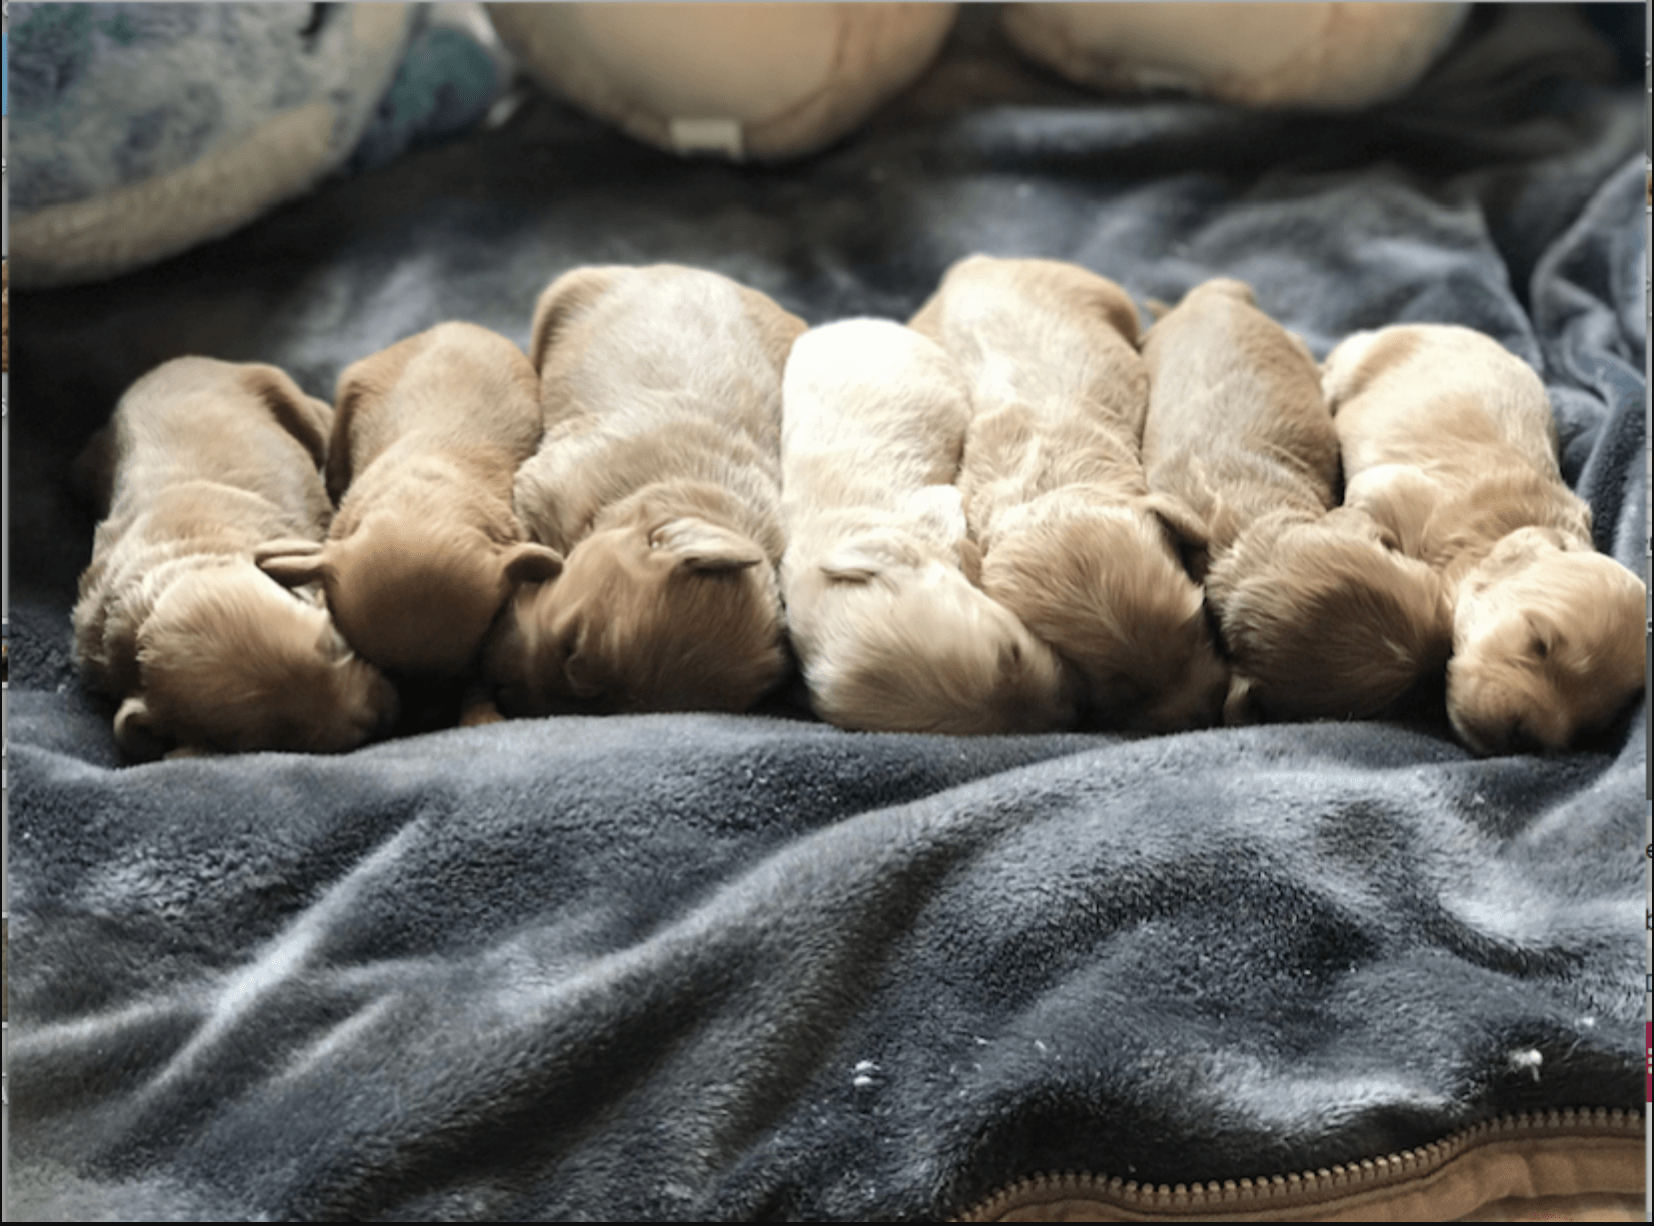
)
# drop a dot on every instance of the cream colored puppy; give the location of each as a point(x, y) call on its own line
point(1320, 616)
point(202, 462)
point(1450, 440)
point(659, 481)
point(1072, 540)
point(889, 633)
point(425, 548)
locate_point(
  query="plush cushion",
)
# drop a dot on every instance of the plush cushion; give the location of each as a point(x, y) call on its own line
point(745, 80)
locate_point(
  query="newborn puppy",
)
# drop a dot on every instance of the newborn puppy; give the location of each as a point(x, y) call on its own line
point(425, 549)
point(659, 481)
point(1321, 618)
point(201, 463)
point(1449, 440)
point(890, 634)
point(1073, 542)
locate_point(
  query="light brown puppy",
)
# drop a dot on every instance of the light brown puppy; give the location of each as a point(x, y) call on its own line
point(202, 462)
point(659, 480)
point(1320, 617)
point(1072, 540)
point(425, 548)
point(1449, 440)
point(889, 633)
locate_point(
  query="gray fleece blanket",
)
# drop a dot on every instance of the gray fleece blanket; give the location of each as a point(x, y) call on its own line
point(699, 966)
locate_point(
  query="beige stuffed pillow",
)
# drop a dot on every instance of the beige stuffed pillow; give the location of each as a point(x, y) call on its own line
point(1269, 55)
point(764, 81)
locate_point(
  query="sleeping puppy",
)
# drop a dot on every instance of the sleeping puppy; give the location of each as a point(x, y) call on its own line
point(425, 548)
point(1449, 440)
point(202, 462)
point(1073, 542)
point(659, 481)
point(890, 634)
point(1320, 616)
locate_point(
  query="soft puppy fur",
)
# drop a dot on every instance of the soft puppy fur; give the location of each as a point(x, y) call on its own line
point(425, 549)
point(1319, 613)
point(1449, 440)
point(1072, 541)
point(659, 480)
point(201, 463)
point(888, 631)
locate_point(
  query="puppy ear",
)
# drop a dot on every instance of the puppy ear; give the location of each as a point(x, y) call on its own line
point(1357, 522)
point(292, 563)
point(867, 557)
point(702, 545)
point(1546, 633)
point(531, 563)
point(1187, 528)
point(1400, 498)
point(134, 733)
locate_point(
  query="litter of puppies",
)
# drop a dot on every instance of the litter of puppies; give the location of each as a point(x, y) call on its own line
point(1017, 513)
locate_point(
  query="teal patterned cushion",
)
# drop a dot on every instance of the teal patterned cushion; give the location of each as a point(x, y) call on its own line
point(138, 130)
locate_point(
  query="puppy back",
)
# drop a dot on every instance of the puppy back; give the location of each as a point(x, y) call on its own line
point(654, 375)
point(1051, 337)
point(1237, 425)
point(871, 412)
point(453, 388)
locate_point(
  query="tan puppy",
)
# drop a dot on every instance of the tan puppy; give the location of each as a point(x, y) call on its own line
point(659, 479)
point(1320, 617)
point(890, 634)
point(1450, 440)
point(202, 462)
point(425, 548)
point(1073, 542)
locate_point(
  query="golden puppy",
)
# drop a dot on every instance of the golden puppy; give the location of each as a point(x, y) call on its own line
point(890, 634)
point(1320, 617)
point(1450, 441)
point(1073, 542)
point(425, 548)
point(201, 463)
point(659, 480)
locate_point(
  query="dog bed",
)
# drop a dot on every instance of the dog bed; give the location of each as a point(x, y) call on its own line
point(714, 967)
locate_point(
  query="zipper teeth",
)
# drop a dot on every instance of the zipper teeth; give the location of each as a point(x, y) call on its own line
point(1340, 1179)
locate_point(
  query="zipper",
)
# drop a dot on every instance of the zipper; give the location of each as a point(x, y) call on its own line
point(1281, 1193)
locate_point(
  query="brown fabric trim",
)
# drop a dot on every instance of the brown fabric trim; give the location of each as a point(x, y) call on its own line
point(1500, 1176)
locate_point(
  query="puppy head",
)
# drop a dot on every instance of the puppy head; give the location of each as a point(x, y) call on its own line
point(1103, 588)
point(408, 595)
point(646, 616)
point(1548, 642)
point(229, 660)
point(1326, 618)
point(894, 641)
